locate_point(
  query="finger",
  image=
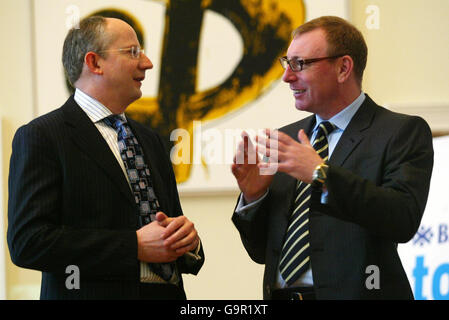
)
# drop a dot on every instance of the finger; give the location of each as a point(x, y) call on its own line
point(179, 234)
point(237, 171)
point(261, 140)
point(284, 139)
point(277, 135)
point(234, 169)
point(188, 248)
point(178, 229)
point(188, 241)
point(238, 155)
point(270, 133)
point(162, 219)
point(302, 137)
point(245, 144)
point(242, 144)
point(175, 224)
point(187, 244)
point(265, 145)
point(241, 149)
point(268, 168)
point(270, 149)
point(246, 138)
point(278, 140)
point(160, 216)
point(263, 150)
point(250, 151)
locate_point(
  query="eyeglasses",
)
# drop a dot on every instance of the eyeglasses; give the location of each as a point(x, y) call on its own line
point(297, 64)
point(135, 51)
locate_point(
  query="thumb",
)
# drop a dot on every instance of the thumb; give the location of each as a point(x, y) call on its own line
point(162, 219)
point(302, 137)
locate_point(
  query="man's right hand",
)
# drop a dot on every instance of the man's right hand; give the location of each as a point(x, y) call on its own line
point(251, 182)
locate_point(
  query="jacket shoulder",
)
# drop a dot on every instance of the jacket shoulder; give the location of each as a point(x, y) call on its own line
point(388, 118)
point(52, 118)
point(293, 128)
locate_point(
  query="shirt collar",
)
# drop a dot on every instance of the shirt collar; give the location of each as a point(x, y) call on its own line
point(342, 119)
point(94, 109)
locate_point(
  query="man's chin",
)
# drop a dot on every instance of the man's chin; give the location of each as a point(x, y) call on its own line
point(301, 106)
point(138, 95)
point(134, 98)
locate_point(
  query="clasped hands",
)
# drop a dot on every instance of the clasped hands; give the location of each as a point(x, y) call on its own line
point(283, 154)
point(166, 239)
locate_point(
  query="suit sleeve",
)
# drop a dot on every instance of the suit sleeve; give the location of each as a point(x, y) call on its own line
point(252, 226)
point(392, 209)
point(36, 237)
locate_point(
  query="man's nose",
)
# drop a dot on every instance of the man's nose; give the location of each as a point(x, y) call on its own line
point(145, 62)
point(289, 75)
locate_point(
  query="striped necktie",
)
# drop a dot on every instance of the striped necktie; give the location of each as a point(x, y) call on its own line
point(139, 178)
point(295, 256)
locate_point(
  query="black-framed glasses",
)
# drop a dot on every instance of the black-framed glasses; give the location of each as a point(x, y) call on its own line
point(135, 51)
point(297, 64)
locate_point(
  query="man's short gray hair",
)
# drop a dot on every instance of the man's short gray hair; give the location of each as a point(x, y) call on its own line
point(90, 36)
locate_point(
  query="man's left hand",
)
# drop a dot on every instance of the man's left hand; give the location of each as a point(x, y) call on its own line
point(180, 233)
point(297, 159)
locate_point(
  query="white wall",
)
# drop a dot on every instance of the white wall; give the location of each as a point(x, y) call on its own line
point(408, 67)
point(16, 108)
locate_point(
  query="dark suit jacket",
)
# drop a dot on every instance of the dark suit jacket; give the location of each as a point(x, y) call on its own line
point(378, 182)
point(70, 204)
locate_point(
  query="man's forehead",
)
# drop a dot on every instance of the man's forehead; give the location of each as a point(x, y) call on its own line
point(119, 29)
point(115, 21)
point(308, 44)
point(114, 25)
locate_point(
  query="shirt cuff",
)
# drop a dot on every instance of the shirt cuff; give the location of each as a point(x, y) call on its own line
point(242, 206)
point(195, 253)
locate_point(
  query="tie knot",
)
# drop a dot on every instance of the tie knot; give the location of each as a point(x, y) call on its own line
point(114, 121)
point(326, 127)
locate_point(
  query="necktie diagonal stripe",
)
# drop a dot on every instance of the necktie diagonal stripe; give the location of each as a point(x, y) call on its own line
point(295, 256)
point(302, 191)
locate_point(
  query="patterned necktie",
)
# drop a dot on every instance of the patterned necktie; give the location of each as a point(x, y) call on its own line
point(295, 256)
point(140, 181)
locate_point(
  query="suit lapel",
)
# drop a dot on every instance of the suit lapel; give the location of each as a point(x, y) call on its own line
point(86, 136)
point(353, 134)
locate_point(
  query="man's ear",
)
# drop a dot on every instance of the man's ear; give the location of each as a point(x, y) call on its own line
point(345, 68)
point(91, 59)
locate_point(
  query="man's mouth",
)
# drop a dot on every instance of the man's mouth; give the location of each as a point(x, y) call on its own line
point(297, 93)
point(139, 80)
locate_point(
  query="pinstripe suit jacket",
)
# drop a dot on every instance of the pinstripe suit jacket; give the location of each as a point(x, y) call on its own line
point(70, 204)
point(378, 182)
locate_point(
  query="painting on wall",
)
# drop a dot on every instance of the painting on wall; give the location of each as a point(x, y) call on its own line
point(216, 72)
